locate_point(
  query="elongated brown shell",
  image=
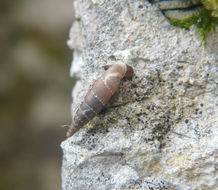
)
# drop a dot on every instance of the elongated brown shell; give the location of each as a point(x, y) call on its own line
point(99, 94)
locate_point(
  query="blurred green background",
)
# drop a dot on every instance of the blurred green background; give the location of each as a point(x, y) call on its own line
point(35, 92)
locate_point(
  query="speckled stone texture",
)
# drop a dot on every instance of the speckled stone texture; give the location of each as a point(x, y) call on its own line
point(159, 131)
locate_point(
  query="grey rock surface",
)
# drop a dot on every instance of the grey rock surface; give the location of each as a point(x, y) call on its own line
point(159, 131)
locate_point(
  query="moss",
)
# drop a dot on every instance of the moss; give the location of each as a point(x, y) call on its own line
point(211, 5)
point(204, 21)
point(113, 121)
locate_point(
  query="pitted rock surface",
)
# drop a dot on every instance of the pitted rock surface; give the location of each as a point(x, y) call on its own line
point(160, 129)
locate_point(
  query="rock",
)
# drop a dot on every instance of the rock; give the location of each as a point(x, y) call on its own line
point(160, 129)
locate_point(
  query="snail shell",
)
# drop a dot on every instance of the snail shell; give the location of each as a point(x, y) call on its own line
point(99, 94)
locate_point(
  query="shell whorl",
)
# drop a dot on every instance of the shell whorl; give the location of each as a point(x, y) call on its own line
point(99, 94)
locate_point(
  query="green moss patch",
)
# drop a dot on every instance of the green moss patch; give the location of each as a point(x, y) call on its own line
point(204, 21)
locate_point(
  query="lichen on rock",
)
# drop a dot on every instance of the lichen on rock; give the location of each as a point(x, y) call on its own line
point(159, 129)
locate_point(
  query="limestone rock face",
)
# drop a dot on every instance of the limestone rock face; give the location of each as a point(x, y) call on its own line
point(160, 129)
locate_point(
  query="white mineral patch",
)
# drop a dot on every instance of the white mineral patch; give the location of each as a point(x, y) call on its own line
point(122, 175)
point(76, 65)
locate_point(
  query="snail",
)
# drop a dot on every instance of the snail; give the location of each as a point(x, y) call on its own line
point(99, 94)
